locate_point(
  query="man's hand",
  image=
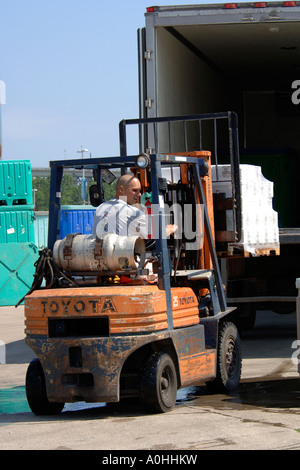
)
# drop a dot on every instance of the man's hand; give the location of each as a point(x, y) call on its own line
point(171, 229)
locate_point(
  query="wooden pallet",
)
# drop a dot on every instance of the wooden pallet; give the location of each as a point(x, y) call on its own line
point(239, 251)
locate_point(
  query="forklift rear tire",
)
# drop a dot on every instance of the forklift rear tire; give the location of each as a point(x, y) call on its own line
point(36, 391)
point(158, 383)
point(229, 360)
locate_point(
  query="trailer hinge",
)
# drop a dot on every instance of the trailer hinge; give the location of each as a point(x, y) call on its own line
point(148, 54)
point(148, 102)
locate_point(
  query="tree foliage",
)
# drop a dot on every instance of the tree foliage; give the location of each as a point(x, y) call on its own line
point(42, 187)
point(70, 192)
point(109, 190)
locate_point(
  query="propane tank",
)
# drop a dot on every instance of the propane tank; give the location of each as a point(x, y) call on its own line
point(88, 253)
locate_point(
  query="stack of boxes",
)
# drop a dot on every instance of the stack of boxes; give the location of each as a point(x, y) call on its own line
point(18, 251)
point(260, 232)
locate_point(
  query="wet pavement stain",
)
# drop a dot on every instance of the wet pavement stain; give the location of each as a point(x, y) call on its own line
point(269, 394)
point(282, 395)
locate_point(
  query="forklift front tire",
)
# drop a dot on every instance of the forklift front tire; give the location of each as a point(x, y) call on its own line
point(229, 360)
point(36, 391)
point(158, 383)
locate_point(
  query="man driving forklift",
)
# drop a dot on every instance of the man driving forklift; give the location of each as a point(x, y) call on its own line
point(123, 214)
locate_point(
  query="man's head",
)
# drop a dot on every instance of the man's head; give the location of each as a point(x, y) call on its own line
point(129, 187)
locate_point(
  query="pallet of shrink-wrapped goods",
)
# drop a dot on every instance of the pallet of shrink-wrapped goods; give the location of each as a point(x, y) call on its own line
point(259, 221)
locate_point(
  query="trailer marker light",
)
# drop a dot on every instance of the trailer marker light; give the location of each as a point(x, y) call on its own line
point(150, 9)
point(229, 6)
point(260, 4)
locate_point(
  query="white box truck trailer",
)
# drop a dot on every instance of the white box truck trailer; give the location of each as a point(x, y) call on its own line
point(241, 58)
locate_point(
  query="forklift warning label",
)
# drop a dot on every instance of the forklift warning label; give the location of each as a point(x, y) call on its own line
point(78, 306)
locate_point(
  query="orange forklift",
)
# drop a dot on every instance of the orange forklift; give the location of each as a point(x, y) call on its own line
point(100, 330)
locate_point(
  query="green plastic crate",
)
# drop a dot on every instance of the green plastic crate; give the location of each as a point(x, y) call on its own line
point(15, 183)
point(16, 271)
point(41, 224)
point(17, 226)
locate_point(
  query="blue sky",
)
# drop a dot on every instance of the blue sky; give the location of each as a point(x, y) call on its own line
point(71, 74)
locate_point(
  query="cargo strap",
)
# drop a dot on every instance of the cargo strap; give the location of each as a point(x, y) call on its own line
point(68, 249)
point(98, 251)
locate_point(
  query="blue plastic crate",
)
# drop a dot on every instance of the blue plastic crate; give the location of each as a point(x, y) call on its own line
point(76, 219)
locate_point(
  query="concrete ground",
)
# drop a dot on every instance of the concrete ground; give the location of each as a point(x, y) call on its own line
point(263, 414)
